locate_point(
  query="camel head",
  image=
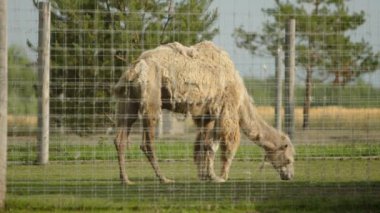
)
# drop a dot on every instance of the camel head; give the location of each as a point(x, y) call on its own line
point(281, 157)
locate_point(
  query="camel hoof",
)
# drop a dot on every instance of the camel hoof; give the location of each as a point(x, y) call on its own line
point(224, 177)
point(218, 180)
point(203, 178)
point(128, 182)
point(166, 180)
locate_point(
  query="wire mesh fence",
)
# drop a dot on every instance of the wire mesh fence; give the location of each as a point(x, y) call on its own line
point(94, 42)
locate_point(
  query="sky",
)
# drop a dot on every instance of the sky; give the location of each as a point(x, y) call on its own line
point(23, 24)
point(248, 13)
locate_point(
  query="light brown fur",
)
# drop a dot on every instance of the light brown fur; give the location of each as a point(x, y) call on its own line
point(200, 80)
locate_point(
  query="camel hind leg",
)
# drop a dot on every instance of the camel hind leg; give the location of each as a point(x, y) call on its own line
point(126, 116)
point(147, 146)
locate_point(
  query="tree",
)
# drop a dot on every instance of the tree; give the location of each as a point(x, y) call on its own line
point(93, 41)
point(325, 48)
point(22, 82)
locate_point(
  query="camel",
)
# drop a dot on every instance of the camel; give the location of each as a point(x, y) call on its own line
point(199, 80)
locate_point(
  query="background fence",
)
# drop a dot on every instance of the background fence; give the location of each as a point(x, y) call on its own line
point(336, 109)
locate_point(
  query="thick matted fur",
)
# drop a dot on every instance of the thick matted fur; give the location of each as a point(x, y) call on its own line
point(200, 80)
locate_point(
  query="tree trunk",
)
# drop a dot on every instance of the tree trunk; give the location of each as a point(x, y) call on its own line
point(3, 101)
point(307, 101)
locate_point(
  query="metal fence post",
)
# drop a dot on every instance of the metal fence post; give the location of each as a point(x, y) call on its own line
point(277, 110)
point(43, 82)
point(290, 32)
point(3, 100)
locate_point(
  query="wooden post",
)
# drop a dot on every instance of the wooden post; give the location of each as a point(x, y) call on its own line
point(3, 100)
point(167, 122)
point(277, 109)
point(43, 82)
point(307, 101)
point(290, 32)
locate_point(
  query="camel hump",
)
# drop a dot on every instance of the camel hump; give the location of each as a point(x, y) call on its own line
point(206, 44)
point(182, 49)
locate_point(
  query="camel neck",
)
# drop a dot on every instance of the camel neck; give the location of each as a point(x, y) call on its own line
point(255, 127)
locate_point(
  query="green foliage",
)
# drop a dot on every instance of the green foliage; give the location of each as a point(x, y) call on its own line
point(92, 43)
point(358, 95)
point(22, 82)
point(262, 91)
point(246, 40)
point(191, 22)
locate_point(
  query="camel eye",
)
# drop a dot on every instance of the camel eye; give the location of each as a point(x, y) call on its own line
point(283, 147)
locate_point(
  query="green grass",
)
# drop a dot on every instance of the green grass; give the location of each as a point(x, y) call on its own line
point(319, 186)
point(180, 150)
point(83, 176)
point(62, 203)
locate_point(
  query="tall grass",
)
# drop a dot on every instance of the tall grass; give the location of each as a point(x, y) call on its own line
point(322, 118)
point(22, 120)
point(22, 124)
point(332, 117)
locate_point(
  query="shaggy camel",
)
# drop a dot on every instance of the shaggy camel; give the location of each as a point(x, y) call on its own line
point(200, 80)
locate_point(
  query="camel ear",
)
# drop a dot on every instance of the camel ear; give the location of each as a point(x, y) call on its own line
point(268, 146)
point(258, 137)
point(283, 137)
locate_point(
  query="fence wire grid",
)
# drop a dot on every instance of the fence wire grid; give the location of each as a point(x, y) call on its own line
point(337, 151)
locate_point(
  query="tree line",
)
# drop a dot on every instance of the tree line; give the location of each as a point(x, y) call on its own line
point(94, 41)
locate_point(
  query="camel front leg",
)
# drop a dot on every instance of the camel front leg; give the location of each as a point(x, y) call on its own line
point(204, 153)
point(228, 153)
point(210, 151)
point(204, 157)
point(149, 125)
point(230, 141)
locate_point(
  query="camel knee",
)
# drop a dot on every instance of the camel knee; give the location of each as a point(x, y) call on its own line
point(204, 159)
point(120, 140)
point(145, 149)
point(205, 153)
point(198, 149)
point(214, 146)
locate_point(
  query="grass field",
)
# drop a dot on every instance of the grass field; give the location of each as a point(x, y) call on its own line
point(320, 186)
point(83, 176)
point(337, 170)
point(26, 152)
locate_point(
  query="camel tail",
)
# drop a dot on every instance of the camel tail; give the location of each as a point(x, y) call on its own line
point(133, 81)
point(119, 91)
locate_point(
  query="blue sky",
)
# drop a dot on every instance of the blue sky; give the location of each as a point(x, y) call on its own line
point(23, 22)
